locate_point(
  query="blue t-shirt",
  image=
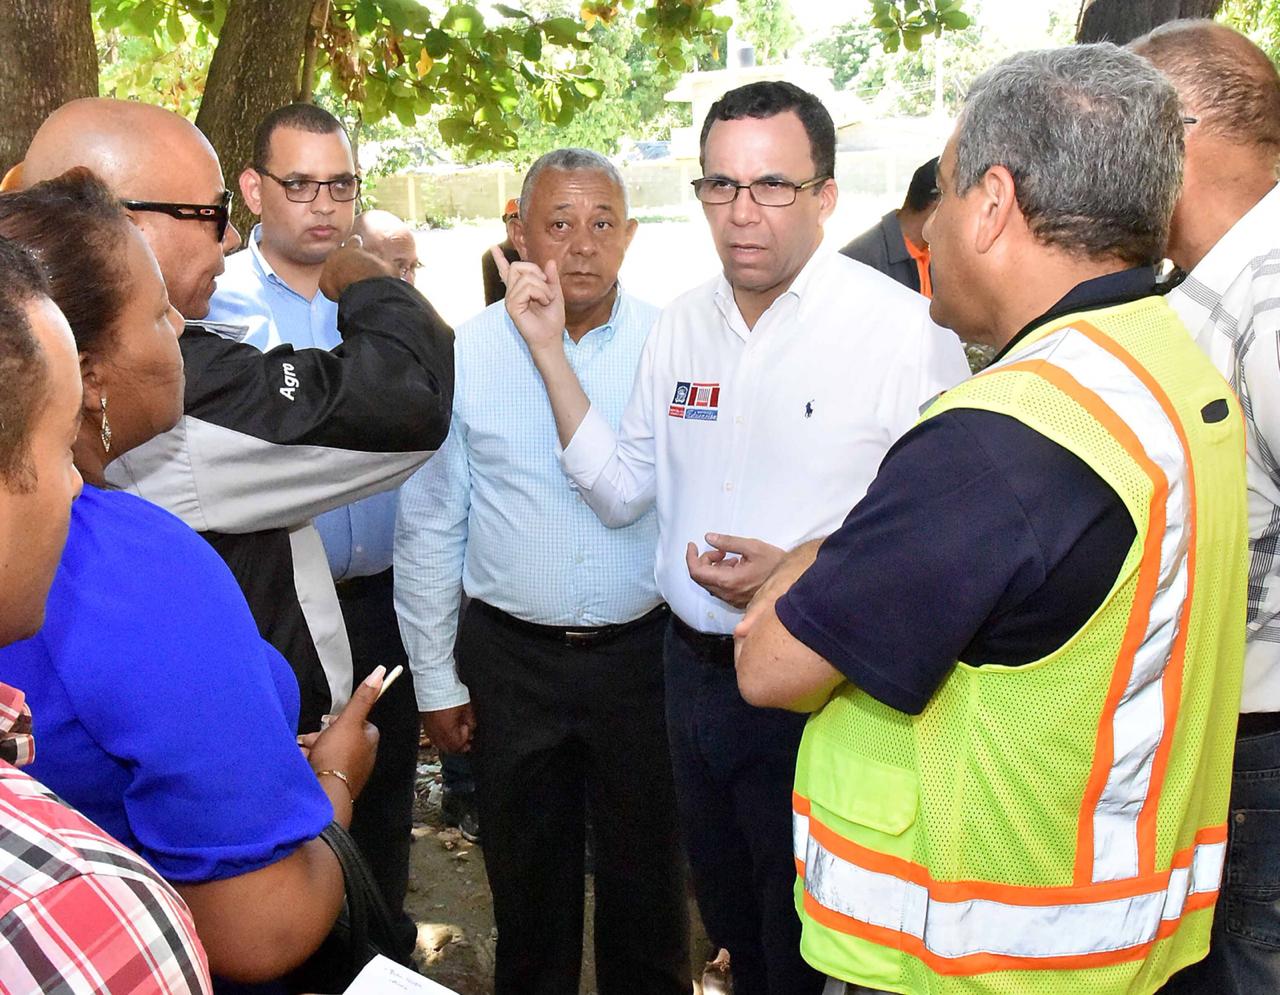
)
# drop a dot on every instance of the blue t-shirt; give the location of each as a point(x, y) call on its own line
point(159, 711)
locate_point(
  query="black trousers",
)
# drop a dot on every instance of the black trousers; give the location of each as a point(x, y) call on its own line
point(735, 769)
point(562, 729)
point(382, 824)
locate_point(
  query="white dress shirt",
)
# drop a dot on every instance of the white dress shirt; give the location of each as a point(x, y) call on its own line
point(771, 433)
point(1231, 304)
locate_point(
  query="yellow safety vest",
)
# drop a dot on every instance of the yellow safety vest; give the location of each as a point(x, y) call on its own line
point(1057, 827)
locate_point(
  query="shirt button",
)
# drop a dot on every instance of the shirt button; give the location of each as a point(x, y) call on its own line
point(728, 485)
point(359, 549)
point(711, 615)
point(579, 558)
point(739, 420)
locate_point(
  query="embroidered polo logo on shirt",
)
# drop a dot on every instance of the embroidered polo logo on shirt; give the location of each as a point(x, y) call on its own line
point(695, 401)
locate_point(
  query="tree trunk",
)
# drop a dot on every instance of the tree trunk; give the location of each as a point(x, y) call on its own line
point(1121, 21)
point(254, 71)
point(47, 57)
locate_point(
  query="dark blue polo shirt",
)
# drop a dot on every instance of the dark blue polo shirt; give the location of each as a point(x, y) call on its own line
point(979, 540)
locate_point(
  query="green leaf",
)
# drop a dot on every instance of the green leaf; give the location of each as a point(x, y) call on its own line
point(407, 112)
point(454, 130)
point(174, 29)
point(955, 20)
point(562, 30)
point(463, 19)
point(532, 47)
point(506, 11)
point(366, 16)
point(589, 88)
point(436, 43)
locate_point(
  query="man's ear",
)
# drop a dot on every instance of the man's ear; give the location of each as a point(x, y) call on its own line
point(827, 196)
point(251, 190)
point(629, 231)
point(515, 232)
point(997, 206)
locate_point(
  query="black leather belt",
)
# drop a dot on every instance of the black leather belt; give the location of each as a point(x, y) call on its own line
point(359, 587)
point(579, 637)
point(710, 647)
point(1258, 723)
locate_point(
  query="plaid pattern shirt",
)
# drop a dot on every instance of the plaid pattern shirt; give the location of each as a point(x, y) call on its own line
point(1230, 303)
point(79, 912)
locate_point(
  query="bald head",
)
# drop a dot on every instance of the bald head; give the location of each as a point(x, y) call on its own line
point(390, 239)
point(1223, 79)
point(146, 153)
point(124, 142)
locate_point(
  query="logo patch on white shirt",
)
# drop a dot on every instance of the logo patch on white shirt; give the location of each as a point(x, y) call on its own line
point(695, 401)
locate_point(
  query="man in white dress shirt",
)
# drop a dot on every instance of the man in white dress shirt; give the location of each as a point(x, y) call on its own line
point(762, 407)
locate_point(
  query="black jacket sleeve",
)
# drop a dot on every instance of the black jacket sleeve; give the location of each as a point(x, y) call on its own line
point(273, 439)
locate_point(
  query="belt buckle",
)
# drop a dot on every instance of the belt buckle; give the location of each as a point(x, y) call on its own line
point(583, 638)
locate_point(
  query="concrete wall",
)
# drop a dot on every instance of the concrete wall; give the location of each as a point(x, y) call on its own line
point(482, 192)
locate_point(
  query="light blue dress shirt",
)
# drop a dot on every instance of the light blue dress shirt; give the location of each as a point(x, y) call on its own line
point(250, 296)
point(493, 513)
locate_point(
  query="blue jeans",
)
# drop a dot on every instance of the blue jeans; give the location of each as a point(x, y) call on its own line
point(734, 770)
point(1244, 957)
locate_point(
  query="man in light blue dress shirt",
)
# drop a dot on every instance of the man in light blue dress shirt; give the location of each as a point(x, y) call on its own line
point(558, 684)
point(303, 185)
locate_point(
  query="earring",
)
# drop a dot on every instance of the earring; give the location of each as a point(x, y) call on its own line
point(106, 427)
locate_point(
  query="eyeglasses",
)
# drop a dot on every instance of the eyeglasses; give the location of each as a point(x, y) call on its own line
point(1190, 120)
point(766, 193)
point(219, 213)
point(341, 190)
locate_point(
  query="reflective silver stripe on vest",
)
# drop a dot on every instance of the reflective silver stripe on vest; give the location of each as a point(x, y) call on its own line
point(982, 926)
point(1138, 722)
point(799, 834)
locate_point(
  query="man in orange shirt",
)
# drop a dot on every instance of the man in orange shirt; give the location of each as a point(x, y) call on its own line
point(896, 245)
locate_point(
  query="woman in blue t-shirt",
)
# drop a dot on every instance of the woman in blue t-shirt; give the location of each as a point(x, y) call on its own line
point(160, 712)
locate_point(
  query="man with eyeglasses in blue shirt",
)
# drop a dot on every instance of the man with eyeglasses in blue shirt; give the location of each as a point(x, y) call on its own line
point(303, 186)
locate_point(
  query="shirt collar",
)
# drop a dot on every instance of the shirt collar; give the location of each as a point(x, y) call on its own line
point(799, 289)
point(16, 743)
point(600, 334)
point(264, 267)
point(1252, 236)
point(1107, 290)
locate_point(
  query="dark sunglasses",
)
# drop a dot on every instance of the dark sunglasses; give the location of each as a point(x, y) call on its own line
point(219, 214)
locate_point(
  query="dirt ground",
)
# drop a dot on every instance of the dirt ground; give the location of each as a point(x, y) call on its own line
point(449, 900)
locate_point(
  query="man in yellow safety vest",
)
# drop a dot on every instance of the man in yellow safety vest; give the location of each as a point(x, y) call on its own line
point(1024, 645)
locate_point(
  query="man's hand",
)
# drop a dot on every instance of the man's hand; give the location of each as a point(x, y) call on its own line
point(450, 729)
point(349, 263)
point(350, 744)
point(534, 301)
point(773, 668)
point(735, 579)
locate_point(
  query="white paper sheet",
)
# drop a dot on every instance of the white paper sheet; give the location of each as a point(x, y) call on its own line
point(382, 976)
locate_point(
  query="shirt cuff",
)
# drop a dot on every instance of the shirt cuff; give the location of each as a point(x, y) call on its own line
point(588, 452)
point(443, 691)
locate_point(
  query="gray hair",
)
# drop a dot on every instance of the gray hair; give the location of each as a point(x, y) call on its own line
point(570, 160)
point(1093, 137)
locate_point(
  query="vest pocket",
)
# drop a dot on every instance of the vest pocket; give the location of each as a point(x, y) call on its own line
point(863, 791)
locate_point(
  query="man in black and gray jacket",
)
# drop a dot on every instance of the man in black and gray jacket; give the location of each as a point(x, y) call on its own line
point(267, 440)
